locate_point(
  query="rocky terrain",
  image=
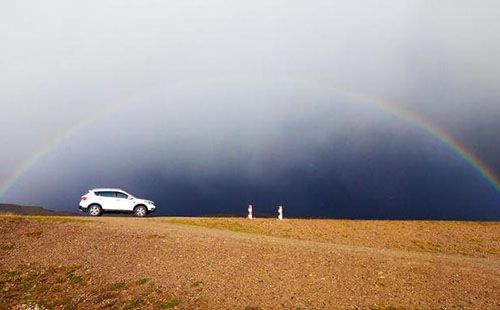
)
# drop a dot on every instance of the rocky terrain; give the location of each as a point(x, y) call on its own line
point(230, 263)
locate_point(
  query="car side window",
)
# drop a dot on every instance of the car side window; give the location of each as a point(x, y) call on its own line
point(106, 194)
point(121, 195)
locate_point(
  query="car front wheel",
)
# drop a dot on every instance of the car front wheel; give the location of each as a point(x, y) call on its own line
point(95, 210)
point(140, 211)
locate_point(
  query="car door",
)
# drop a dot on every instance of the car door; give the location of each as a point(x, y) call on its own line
point(107, 200)
point(122, 202)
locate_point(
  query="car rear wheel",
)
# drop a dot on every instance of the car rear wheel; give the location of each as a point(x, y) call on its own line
point(140, 211)
point(95, 210)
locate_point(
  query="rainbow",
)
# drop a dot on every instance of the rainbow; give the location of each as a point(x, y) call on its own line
point(27, 164)
point(487, 173)
point(322, 86)
point(52, 144)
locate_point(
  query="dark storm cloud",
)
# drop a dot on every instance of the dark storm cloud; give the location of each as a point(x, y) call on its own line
point(205, 106)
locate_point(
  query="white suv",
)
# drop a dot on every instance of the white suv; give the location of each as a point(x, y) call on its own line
point(100, 200)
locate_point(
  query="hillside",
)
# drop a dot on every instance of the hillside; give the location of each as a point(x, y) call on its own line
point(189, 263)
point(31, 210)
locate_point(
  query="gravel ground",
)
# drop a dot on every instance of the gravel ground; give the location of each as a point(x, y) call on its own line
point(315, 265)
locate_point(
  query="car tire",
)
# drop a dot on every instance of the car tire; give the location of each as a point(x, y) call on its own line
point(140, 211)
point(95, 210)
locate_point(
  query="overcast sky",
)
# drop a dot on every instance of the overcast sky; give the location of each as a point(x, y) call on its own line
point(205, 106)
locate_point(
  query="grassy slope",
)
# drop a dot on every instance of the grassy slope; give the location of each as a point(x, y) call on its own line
point(50, 287)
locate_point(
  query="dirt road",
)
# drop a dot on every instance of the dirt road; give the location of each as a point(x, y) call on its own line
point(234, 264)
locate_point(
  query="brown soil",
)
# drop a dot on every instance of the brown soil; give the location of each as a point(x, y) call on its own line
point(164, 263)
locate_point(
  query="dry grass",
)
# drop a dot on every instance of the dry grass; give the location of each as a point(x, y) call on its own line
point(58, 219)
point(221, 223)
point(387, 308)
point(447, 237)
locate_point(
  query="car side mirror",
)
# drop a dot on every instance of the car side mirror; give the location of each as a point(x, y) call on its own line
point(130, 198)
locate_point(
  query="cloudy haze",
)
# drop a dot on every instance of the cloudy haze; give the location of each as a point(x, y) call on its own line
point(205, 106)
